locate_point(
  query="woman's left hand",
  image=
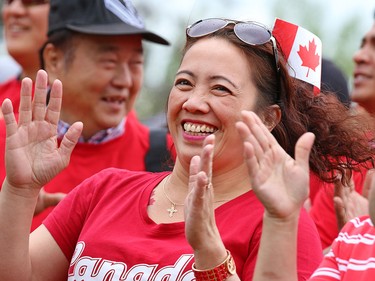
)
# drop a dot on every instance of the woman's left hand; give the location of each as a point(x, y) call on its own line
point(280, 182)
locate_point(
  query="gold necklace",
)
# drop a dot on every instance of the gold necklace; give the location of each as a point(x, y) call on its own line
point(173, 209)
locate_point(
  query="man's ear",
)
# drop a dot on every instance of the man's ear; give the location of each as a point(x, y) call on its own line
point(272, 116)
point(53, 61)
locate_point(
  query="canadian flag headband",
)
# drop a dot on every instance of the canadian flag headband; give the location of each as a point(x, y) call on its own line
point(302, 50)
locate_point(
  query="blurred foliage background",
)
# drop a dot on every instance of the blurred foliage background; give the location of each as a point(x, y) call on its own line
point(340, 33)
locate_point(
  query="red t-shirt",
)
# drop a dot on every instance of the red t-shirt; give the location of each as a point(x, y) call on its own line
point(11, 89)
point(352, 256)
point(103, 228)
point(127, 152)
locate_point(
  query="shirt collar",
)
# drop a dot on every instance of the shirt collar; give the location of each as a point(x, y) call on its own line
point(100, 137)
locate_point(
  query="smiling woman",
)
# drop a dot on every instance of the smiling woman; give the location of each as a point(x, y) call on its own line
point(25, 31)
point(190, 212)
point(203, 218)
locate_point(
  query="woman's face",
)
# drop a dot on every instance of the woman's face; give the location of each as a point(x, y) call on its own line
point(25, 30)
point(212, 86)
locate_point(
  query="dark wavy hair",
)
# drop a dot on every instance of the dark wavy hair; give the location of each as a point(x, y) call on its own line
point(343, 139)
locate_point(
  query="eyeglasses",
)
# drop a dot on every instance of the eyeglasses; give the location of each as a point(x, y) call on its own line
point(250, 32)
point(28, 3)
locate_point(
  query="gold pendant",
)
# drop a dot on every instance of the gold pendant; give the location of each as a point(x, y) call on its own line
point(172, 210)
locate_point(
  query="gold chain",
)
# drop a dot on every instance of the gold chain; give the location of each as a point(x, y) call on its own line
point(173, 209)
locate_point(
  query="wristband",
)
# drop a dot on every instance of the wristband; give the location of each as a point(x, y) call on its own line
point(219, 273)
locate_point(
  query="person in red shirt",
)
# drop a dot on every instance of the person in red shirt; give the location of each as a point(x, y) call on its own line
point(203, 218)
point(133, 224)
point(100, 61)
point(25, 31)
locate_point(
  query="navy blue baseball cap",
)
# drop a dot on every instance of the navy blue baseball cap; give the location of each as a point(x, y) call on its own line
point(99, 17)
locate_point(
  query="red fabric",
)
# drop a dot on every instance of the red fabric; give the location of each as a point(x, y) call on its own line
point(171, 148)
point(315, 185)
point(322, 210)
point(352, 256)
point(285, 33)
point(127, 152)
point(105, 220)
point(11, 89)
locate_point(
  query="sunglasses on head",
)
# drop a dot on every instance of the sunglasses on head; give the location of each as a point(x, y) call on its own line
point(249, 32)
point(28, 2)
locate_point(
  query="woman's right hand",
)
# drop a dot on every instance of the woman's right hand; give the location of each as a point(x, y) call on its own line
point(32, 154)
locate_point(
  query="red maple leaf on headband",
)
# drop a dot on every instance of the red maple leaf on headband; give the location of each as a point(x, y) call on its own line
point(309, 57)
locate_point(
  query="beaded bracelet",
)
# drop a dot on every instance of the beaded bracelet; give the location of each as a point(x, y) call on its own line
point(219, 273)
